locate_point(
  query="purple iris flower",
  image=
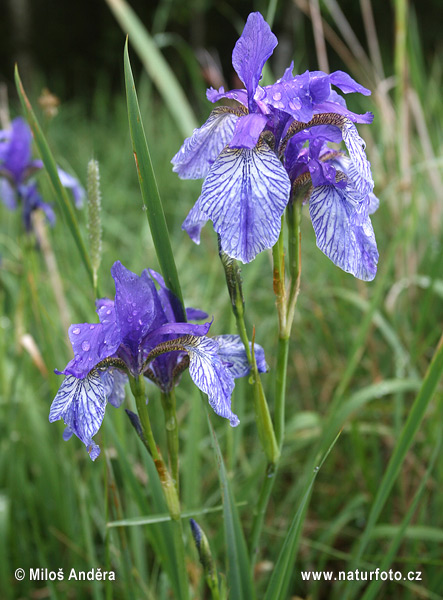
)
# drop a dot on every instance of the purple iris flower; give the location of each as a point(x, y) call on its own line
point(139, 333)
point(241, 152)
point(16, 171)
point(340, 198)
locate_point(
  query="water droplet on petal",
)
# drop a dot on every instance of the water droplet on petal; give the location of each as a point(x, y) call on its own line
point(91, 327)
point(108, 312)
point(76, 331)
point(277, 96)
point(134, 312)
point(86, 346)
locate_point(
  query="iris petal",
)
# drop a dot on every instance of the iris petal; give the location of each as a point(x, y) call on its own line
point(350, 246)
point(81, 403)
point(248, 130)
point(71, 183)
point(355, 145)
point(18, 149)
point(137, 305)
point(194, 222)
point(232, 351)
point(252, 50)
point(346, 84)
point(198, 152)
point(114, 385)
point(211, 376)
point(245, 195)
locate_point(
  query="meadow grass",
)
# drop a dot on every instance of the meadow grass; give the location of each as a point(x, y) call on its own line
point(358, 356)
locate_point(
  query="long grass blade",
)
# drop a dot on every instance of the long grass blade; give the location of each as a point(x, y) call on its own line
point(51, 168)
point(157, 67)
point(403, 530)
point(281, 575)
point(429, 385)
point(239, 577)
point(149, 189)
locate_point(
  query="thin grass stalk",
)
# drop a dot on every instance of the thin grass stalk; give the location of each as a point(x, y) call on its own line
point(319, 38)
point(55, 280)
point(373, 588)
point(371, 36)
point(416, 414)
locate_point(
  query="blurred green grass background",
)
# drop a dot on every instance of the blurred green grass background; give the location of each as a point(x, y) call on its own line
point(55, 503)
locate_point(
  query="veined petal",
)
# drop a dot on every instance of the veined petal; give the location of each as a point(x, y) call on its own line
point(232, 351)
point(211, 376)
point(194, 222)
point(114, 382)
point(81, 403)
point(350, 246)
point(247, 131)
point(199, 151)
point(361, 177)
point(245, 195)
point(252, 50)
point(346, 84)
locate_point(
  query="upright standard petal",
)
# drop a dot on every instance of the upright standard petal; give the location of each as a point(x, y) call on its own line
point(350, 246)
point(210, 375)
point(232, 351)
point(245, 194)
point(17, 153)
point(137, 305)
point(252, 50)
point(195, 157)
point(81, 403)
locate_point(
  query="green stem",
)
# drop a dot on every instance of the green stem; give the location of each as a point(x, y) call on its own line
point(285, 308)
point(138, 390)
point(169, 410)
point(280, 389)
point(260, 510)
point(169, 489)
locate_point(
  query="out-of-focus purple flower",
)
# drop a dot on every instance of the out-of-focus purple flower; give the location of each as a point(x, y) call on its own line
point(239, 151)
point(17, 169)
point(139, 333)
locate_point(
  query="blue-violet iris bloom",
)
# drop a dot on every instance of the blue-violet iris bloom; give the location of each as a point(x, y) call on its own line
point(16, 170)
point(140, 333)
point(248, 163)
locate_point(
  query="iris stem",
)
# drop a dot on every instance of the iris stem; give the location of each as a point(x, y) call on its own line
point(285, 303)
point(138, 391)
point(169, 410)
point(168, 485)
